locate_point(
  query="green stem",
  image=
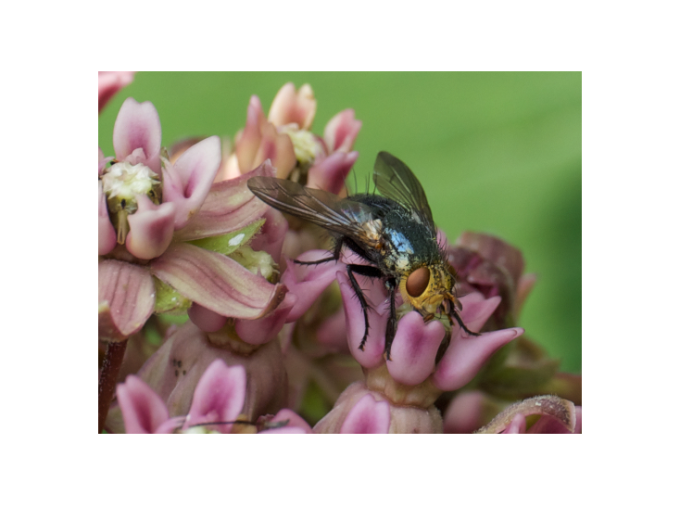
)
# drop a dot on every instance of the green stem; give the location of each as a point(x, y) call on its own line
point(107, 381)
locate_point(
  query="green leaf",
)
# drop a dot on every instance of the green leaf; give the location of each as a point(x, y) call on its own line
point(228, 243)
point(169, 300)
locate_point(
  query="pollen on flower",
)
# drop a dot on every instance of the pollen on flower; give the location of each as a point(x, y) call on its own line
point(236, 240)
point(124, 180)
point(307, 147)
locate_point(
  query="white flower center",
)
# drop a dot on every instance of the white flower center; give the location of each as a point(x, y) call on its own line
point(124, 180)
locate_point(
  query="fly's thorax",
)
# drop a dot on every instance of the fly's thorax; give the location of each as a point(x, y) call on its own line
point(426, 287)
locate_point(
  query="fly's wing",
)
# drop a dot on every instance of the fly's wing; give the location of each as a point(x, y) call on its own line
point(327, 210)
point(395, 181)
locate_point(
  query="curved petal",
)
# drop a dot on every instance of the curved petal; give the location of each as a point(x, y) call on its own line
point(518, 425)
point(229, 206)
point(477, 309)
point(464, 414)
point(187, 182)
point(278, 148)
point(110, 83)
point(330, 173)
point(249, 141)
point(217, 282)
point(129, 292)
point(151, 228)
point(555, 410)
point(341, 131)
point(367, 416)
point(414, 349)
point(219, 396)
point(272, 234)
point(107, 234)
point(465, 357)
point(144, 412)
point(291, 107)
point(265, 329)
point(138, 126)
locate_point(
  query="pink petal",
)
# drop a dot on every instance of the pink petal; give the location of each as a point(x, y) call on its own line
point(138, 126)
point(295, 425)
point(518, 425)
point(107, 234)
point(414, 349)
point(332, 332)
point(374, 347)
point(188, 180)
point(249, 141)
point(219, 396)
point(229, 206)
point(110, 83)
point(265, 329)
point(552, 408)
point(103, 161)
point(129, 292)
point(144, 412)
point(278, 148)
point(272, 234)
point(205, 319)
point(216, 282)
point(291, 107)
point(307, 282)
point(465, 357)
point(151, 228)
point(464, 414)
point(368, 416)
point(341, 131)
point(476, 310)
point(330, 173)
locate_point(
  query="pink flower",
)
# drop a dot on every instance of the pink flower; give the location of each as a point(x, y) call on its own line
point(173, 236)
point(218, 397)
point(110, 83)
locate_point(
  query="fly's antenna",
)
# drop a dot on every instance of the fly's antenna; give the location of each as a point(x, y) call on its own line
point(356, 186)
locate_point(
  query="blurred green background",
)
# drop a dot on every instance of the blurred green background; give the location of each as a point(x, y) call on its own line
point(495, 152)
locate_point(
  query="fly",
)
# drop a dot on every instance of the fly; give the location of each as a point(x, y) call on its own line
point(393, 231)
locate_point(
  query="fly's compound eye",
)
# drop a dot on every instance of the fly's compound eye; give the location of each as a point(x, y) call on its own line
point(417, 281)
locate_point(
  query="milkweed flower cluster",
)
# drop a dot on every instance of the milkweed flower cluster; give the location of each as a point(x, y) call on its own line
point(181, 234)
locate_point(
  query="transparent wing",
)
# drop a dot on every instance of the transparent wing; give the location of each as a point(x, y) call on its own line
point(395, 181)
point(325, 209)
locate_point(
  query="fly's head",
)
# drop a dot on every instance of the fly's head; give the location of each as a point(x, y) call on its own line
point(429, 289)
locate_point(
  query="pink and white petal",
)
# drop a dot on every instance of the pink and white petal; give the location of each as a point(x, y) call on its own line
point(466, 355)
point(332, 332)
point(229, 206)
point(265, 329)
point(110, 83)
point(205, 319)
point(341, 131)
point(414, 349)
point(477, 309)
point(151, 228)
point(219, 396)
point(187, 182)
point(138, 126)
point(249, 141)
point(129, 292)
point(307, 282)
point(217, 282)
point(330, 173)
point(371, 356)
point(107, 234)
point(560, 410)
point(464, 414)
point(278, 148)
point(295, 425)
point(144, 412)
point(291, 107)
point(367, 416)
point(103, 161)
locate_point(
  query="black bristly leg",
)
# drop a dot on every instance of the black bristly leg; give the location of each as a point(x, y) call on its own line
point(391, 329)
point(454, 313)
point(336, 256)
point(370, 272)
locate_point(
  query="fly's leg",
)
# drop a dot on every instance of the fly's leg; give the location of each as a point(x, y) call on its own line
point(370, 272)
point(336, 256)
point(454, 313)
point(391, 329)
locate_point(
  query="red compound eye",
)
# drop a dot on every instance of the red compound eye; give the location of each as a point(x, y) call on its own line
point(417, 281)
